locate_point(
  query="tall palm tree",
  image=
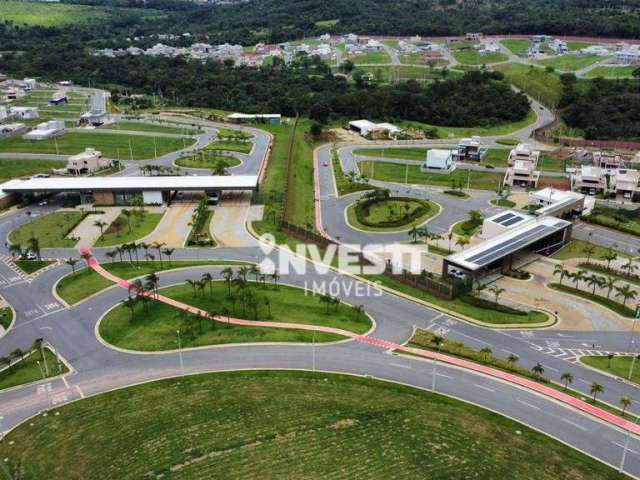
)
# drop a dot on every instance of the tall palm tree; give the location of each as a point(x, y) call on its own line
point(227, 274)
point(34, 246)
point(414, 233)
point(100, 224)
point(158, 246)
point(130, 303)
point(207, 278)
point(610, 284)
point(566, 378)
point(486, 352)
point(626, 293)
point(111, 255)
point(267, 303)
point(538, 369)
point(629, 267)
point(610, 256)
point(326, 299)
point(589, 250)
point(15, 249)
point(168, 252)
point(560, 270)
point(595, 281)
point(596, 388)
point(255, 271)
point(193, 284)
point(497, 291)
point(462, 242)
point(72, 263)
point(127, 215)
point(133, 246)
point(275, 276)
point(625, 401)
point(449, 238)
point(513, 359)
point(119, 251)
point(243, 272)
point(152, 281)
point(145, 247)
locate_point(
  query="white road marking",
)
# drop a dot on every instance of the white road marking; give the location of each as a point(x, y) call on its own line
point(399, 365)
point(528, 404)
point(574, 424)
point(484, 388)
point(79, 391)
point(628, 449)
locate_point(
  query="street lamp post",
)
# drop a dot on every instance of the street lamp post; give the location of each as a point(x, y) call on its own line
point(433, 380)
point(180, 353)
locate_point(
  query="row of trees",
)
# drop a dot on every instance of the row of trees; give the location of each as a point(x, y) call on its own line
point(594, 281)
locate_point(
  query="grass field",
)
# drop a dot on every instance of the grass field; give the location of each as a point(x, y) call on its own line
point(85, 282)
point(380, 212)
point(231, 146)
point(517, 46)
point(207, 159)
point(571, 63)
point(119, 146)
point(6, 317)
point(386, 73)
point(576, 248)
point(609, 303)
point(503, 202)
point(495, 156)
point(50, 230)
point(156, 328)
point(49, 15)
point(32, 266)
point(625, 71)
point(27, 370)
point(535, 81)
point(618, 366)
point(573, 46)
point(150, 127)
point(486, 315)
point(285, 425)
point(118, 232)
point(471, 56)
point(370, 58)
point(393, 172)
point(10, 168)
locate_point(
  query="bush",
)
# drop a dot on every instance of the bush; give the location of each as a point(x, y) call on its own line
point(482, 303)
point(362, 212)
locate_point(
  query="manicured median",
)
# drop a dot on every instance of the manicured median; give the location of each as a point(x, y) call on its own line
point(609, 303)
point(390, 215)
point(119, 231)
point(269, 424)
point(27, 370)
point(50, 230)
point(618, 366)
point(84, 283)
point(153, 326)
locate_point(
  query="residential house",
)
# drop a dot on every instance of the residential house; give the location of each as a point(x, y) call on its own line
point(559, 47)
point(374, 130)
point(3, 113)
point(540, 39)
point(609, 162)
point(470, 149)
point(46, 130)
point(594, 50)
point(439, 161)
point(87, 162)
point(325, 38)
point(8, 129)
point(559, 203)
point(28, 84)
point(522, 173)
point(589, 179)
point(488, 48)
point(474, 36)
point(58, 98)
point(24, 113)
point(626, 182)
point(523, 151)
point(94, 117)
point(350, 39)
point(630, 55)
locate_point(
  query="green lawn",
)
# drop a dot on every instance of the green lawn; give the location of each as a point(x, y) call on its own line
point(392, 210)
point(50, 230)
point(517, 46)
point(466, 228)
point(575, 249)
point(50, 14)
point(571, 63)
point(549, 164)
point(6, 317)
point(535, 81)
point(207, 159)
point(618, 366)
point(409, 153)
point(156, 329)
point(609, 303)
point(27, 370)
point(231, 146)
point(625, 71)
point(386, 73)
point(343, 184)
point(394, 172)
point(486, 315)
point(268, 424)
point(370, 58)
point(471, 56)
point(503, 202)
point(118, 232)
point(111, 145)
point(611, 218)
point(85, 282)
point(32, 266)
point(151, 127)
point(573, 46)
point(10, 168)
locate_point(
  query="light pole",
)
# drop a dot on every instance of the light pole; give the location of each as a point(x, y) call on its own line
point(44, 359)
point(180, 353)
point(53, 345)
point(433, 380)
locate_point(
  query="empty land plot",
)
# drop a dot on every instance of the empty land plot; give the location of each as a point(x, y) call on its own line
point(624, 71)
point(536, 82)
point(471, 56)
point(136, 147)
point(15, 168)
point(151, 127)
point(517, 46)
point(571, 63)
point(271, 424)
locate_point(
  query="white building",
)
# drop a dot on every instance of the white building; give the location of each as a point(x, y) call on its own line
point(7, 129)
point(558, 203)
point(374, 130)
point(523, 151)
point(325, 38)
point(439, 161)
point(608, 162)
point(350, 39)
point(523, 174)
point(46, 130)
point(502, 222)
point(626, 182)
point(3, 113)
point(589, 179)
point(488, 48)
point(594, 50)
point(24, 113)
point(629, 55)
point(29, 84)
point(559, 47)
point(87, 162)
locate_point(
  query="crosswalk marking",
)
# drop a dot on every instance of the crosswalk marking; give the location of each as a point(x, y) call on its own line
point(571, 355)
point(19, 275)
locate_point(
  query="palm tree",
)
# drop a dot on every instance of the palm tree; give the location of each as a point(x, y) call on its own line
point(414, 233)
point(512, 359)
point(145, 247)
point(127, 215)
point(566, 378)
point(538, 369)
point(133, 247)
point(193, 284)
point(437, 340)
point(255, 271)
point(275, 276)
point(168, 252)
point(625, 401)
point(596, 388)
point(100, 224)
point(560, 270)
point(610, 256)
point(207, 278)
point(15, 249)
point(111, 255)
point(202, 284)
point(497, 291)
point(158, 246)
point(152, 281)
point(589, 250)
point(629, 267)
point(462, 242)
point(326, 299)
point(609, 358)
point(626, 293)
point(243, 272)
point(267, 303)
point(34, 246)
point(610, 284)
point(595, 281)
point(130, 303)
point(72, 263)
point(449, 238)
point(227, 274)
point(486, 352)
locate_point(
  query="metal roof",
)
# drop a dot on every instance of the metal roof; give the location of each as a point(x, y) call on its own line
point(159, 183)
point(505, 244)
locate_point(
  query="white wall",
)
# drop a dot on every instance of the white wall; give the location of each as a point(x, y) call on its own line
point(152, 197)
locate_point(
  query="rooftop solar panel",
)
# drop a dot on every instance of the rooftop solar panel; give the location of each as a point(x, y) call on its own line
point(512, 221)
point(504, 217)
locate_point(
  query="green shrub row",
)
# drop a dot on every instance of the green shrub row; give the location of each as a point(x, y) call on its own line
point(362, 212)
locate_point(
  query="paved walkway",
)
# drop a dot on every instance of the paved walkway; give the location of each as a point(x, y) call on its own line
point(228, 225)
point(87, 232)
point(391, 346)
point(174, 227)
